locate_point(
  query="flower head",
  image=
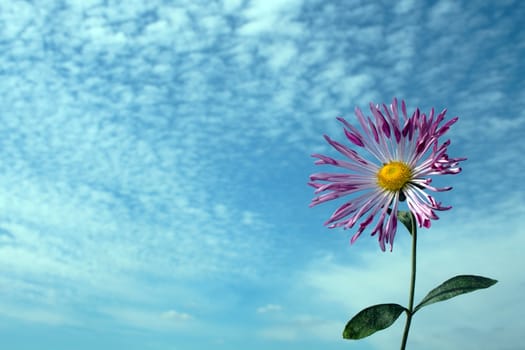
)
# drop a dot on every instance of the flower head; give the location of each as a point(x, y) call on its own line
point(405, 151)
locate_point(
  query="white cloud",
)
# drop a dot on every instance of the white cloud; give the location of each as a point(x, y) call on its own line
point(269, 308)
point(265, 17)
point(146, 319)
point(404, 7)
point(303, 327)
point(174, 315)
point(281, 55)
point(272, 8)
point(172, 27)
point(83, 5)
point(350, 87)
point(38, 315)
point(231, 6)
point(442, 10)
point(15, 17)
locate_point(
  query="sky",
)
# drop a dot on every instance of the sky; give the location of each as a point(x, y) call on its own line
point(155, 158)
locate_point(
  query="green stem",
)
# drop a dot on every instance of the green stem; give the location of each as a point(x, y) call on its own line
point(410, 309)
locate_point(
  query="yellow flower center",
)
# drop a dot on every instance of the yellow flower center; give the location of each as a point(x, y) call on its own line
point(393, 176)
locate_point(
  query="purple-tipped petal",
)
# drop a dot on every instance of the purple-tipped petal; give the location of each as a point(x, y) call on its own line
point(356, 139)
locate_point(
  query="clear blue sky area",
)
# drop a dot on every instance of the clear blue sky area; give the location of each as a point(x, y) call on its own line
point(155, 158)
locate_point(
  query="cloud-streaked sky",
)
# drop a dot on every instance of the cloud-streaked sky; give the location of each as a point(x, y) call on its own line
point(155, 155)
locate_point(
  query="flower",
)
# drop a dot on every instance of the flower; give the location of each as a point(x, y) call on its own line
point(406, 152)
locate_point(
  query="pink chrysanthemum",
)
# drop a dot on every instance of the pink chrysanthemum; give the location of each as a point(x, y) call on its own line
point(407, 152)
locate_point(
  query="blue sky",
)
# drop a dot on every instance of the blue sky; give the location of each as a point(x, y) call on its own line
point(155, 157)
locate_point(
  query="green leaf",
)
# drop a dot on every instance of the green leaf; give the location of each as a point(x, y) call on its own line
point(455, 286)
point(407, 219)
point(371, 320)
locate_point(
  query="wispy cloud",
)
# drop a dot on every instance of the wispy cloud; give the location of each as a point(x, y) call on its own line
point(170, 320)
point(269, 308)
point(154, 155)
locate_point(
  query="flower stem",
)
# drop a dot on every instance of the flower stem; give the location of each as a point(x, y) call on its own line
point(413, 232)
